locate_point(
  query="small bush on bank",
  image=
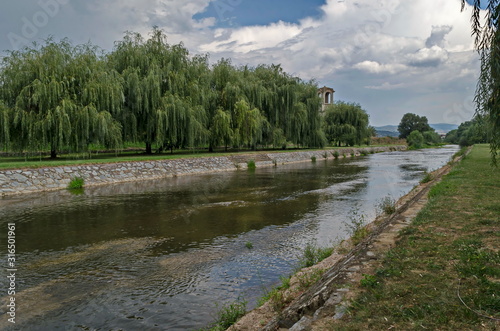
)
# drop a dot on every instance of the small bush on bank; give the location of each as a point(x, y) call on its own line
point(76, 183)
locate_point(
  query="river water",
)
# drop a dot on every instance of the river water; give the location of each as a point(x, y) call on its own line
point(166, 254)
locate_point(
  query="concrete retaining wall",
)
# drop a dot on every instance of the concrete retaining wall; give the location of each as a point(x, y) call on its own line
point(55, 178)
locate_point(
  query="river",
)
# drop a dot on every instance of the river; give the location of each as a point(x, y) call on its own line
point(167, 254)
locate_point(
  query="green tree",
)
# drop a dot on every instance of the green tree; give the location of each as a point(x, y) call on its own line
point(469, 133)
point(411, 122)
point(415, 139)
point(487, 41)
point(431, 137)
point(346, 123)
point(160, 106)
point(56, 96)
point(221, 132)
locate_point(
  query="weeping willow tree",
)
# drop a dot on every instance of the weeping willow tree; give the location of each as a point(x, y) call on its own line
point(346, 123)
point(249, 125)
point(59, 97)
point(159, 81)
point(221, 131)
point(5, 120)
point(487, 41)
point(62, 97)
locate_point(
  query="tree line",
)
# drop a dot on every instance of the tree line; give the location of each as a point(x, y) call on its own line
point(56, 96)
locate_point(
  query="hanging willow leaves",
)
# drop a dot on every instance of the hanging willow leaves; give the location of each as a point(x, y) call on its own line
point(346, 123)
point(487, 41)
point(48, 88)
point(4, 127)
point(221, 132)
point(61, 97)
point(159, 85)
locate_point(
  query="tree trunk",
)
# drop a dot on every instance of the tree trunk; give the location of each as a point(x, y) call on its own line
point(210, 148)
point(53, 154)
point(149, 149)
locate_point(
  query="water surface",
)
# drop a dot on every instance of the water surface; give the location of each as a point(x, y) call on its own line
point(164, 254)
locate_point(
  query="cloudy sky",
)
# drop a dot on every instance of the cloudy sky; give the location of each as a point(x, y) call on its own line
point(391, 56)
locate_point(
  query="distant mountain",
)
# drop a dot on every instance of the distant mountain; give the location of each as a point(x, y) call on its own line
point(443, 127)
point(392, 130)
point(382, 133)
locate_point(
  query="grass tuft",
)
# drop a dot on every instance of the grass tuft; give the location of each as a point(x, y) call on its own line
point(251, 164)
point(427, 178)
point(356, 227)
point(228, 315)
point(313, 255)
point(76, 183)
point(387, 205)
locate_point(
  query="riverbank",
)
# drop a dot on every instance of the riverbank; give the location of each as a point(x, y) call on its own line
point(19, 181)
point(434, 264)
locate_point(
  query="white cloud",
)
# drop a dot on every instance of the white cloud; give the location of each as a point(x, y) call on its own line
point(437, 36)
point(418, 47)
point(253, 38)
point(377, 68)
point(428, 57)
point(386, 86)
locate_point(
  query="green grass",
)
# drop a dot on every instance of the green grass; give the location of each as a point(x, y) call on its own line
point(276, 295)
point(356, 227)
point(96, 157)
point(76, 183)
point(444, 272)
point(387, 205)
point(17, 163)
point(228, 315)
point(251, 165)
point(313, 255)
point(427, 178)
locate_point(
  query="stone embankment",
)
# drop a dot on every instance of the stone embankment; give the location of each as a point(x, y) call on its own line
point(17, 181)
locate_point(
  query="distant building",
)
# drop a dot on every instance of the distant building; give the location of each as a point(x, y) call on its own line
point(326, 95)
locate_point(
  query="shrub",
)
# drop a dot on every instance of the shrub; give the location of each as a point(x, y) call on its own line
point(313, 159)
point(415, 140)
point(431, 137)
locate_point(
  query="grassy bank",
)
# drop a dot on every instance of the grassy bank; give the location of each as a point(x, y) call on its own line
point(18, 162)
point(444, 273)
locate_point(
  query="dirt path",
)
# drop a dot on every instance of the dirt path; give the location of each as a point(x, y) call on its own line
point(316, 307)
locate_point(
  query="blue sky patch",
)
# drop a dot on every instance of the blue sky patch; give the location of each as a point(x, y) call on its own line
point(484, 3)
point(260, 12)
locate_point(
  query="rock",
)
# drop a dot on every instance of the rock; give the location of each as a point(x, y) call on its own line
point(303, 325)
